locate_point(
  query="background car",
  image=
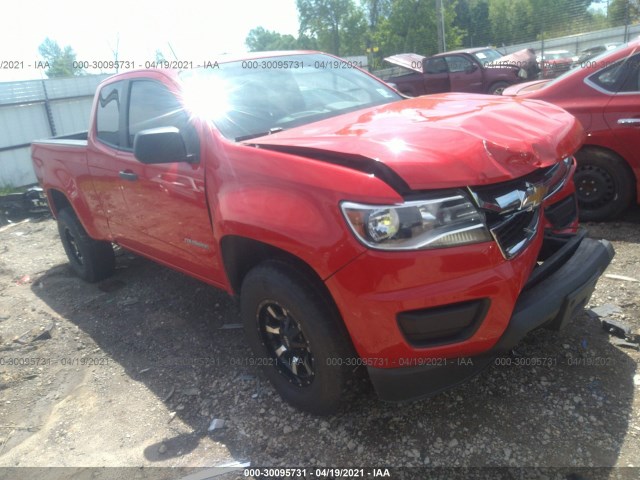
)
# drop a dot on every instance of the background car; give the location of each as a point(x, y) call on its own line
point(554, 63)
point(591, 52)
point(605, 96)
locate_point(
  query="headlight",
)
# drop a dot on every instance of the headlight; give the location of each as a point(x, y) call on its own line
point(522, 73)
point(445, 221)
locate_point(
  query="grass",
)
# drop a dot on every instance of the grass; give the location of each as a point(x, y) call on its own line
point(7, 189)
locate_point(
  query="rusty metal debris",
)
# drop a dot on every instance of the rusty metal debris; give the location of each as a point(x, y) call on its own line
point(18, 206)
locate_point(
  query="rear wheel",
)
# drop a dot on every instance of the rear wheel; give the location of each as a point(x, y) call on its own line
point(604, 185)
point(297, 336)
point(91, 260)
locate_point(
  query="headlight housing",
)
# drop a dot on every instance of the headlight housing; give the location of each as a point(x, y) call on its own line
point(444, 221)
point(522, 73)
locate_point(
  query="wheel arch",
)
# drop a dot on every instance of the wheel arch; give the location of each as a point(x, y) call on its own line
point(57, 201)
point(90, 220)
point(240, 254)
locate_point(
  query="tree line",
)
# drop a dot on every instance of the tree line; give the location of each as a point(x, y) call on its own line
point(385, 27)
point(381, 28)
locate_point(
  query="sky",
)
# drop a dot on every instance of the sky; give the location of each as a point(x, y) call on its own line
point(196, 30)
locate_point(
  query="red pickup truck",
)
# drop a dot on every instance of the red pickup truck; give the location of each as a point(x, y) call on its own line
point(417, 238)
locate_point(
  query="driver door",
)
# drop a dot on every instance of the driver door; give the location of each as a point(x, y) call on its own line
point(464, 74)
point(166, 203)
point(436, 75)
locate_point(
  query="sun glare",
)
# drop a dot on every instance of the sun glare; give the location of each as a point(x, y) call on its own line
point(206, 97)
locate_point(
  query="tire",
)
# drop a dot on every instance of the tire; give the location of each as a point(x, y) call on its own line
point(297, 336)
point(604, 184)
point(498, 87)
point(91, 260)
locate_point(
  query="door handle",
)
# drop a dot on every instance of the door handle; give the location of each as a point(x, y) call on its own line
point(128, 175)
point(629, 121)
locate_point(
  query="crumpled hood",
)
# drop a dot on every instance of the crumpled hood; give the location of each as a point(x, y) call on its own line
point(445, 141)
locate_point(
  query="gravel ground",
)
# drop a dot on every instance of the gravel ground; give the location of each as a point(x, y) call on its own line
point(131, 372)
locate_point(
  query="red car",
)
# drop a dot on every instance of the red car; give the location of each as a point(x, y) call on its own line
point(604, 94)
point(555, 62)
point(417, 238)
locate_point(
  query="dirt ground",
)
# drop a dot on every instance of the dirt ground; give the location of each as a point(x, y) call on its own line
point(130, 372)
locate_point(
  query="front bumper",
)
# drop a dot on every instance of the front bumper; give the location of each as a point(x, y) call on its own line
point(555, 292)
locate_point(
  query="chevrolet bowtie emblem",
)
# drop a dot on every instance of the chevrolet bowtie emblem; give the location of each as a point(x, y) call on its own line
point(533, 196)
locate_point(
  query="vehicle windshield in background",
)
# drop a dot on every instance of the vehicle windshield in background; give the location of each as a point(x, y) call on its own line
point(557, 55)
point(597, 61)
point(251, 98)
point(487, 56)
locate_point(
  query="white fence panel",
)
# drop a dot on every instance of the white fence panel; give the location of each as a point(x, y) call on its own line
point(14, 169)
point(21, 124)
point(71, 115)
point(577, 43)
point(24, 118)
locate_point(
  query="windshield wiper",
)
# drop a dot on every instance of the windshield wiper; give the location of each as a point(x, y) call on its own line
point(261, 134)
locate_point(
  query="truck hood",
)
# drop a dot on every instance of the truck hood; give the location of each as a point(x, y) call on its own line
point(441, 141)
point(524, 58)
point(412, 61)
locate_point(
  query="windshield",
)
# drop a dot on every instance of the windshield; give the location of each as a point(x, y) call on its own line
point(557, 55)
point(251, 98)
point(487, 56)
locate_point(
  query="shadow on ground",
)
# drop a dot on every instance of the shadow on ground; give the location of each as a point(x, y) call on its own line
point(551, 405)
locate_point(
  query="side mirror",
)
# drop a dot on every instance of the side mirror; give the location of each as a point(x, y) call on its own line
point(160, 145)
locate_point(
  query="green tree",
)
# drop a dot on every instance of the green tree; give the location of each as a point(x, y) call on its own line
point(376, 10)
point(480, 32)
point(554, 19)
point(261, 40)
point(339, 26)
point(411, 27)
point(511, 21)
point(60, 60)
point(621, 11)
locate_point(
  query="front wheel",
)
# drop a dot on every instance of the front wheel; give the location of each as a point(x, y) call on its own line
point(604, 185)
point(91, 260)
point(497, 88)
point(297, 335)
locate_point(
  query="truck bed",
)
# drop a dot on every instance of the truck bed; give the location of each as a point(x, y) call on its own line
point(78, 139)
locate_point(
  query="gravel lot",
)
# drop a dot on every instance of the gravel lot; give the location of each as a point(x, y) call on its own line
point(131, 372)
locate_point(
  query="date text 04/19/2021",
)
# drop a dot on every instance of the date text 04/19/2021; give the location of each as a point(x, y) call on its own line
point(317, 472)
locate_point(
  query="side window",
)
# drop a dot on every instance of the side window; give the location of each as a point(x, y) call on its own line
point(436, 65)
point(622, 76)
point(458, 63)
point(108, 114)
point(632, 82)
point(152, 105)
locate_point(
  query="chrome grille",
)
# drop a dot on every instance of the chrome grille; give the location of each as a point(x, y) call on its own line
point(512, 209)
point(515, 231)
